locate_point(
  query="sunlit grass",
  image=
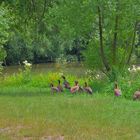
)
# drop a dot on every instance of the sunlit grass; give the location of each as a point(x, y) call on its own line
point(76, 117)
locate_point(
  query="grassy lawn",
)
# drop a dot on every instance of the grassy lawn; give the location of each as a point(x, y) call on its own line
point(41, 116)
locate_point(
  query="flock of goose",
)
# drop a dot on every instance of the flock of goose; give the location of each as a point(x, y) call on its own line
point(66, 85)
point(87, 89)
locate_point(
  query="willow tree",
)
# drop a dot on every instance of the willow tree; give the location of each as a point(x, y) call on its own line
point(109, 25)
point(5, 23)
point(32, 38)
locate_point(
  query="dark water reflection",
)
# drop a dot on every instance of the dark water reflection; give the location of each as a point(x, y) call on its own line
point(76, 69)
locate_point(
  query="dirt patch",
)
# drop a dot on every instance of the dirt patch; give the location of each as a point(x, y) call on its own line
point(28, 138)
point(53, 138)
point(5, 130)
point(12, 130)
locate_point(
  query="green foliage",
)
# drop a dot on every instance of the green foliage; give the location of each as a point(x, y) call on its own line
point(26, 72)
point(2, 57)
point(2, 54)
point(1, 68)
point(43, 30)
point(80, 19)
point(70, 18)
point(25, 78)
point(31, 36)
point(98, 81)
point(5, 23)
point(129, 84)
point(93, 61)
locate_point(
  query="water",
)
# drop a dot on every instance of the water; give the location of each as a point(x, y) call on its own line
point(74, 69)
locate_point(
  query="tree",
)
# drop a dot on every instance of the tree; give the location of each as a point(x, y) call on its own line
point(5, 24)
point(111, 25)
point(31, 34)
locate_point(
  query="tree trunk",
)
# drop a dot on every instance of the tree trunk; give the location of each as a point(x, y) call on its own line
point(44, 10)
point(101, 41)
point(115, 35)
point(133, 43)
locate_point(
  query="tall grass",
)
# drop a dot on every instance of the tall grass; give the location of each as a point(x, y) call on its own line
point(128, 83)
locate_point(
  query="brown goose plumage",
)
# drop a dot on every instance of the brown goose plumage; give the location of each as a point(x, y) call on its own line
point(136, 95)
point(87, 88)
point(53, 89)
point(60, 88)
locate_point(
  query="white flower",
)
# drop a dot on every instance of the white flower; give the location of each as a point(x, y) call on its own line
point(98, 75)
point(24, 62)
point(129, 69)
point(133, 68)
point(28, 64)
point(61, 74)
point(138, 68)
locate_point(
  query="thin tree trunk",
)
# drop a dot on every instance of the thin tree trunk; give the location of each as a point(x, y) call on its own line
point(133, 43)
point(33, 5)
point(44, 10)
point(115, 34)
point(101, 41)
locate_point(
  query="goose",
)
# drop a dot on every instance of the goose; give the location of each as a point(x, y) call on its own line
point(117, 91)
point(54, 89)
point(75, 88)
point(60, 88)
point(87, 88)
point(66, 83)
point(136, 95)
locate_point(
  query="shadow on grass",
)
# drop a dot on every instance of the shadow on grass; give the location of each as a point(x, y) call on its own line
point(33, 91)
point(23, 91)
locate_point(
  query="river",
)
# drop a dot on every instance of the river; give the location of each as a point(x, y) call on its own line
point(76, 69)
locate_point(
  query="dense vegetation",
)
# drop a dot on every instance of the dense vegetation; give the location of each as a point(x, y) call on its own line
point(103, 34)
point(43, 31)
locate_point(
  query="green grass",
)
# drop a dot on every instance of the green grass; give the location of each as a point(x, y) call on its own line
point(27, 114)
